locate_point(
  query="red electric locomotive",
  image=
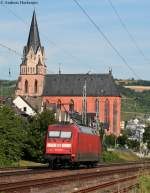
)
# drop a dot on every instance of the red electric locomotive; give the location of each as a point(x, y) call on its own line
point(72, 144)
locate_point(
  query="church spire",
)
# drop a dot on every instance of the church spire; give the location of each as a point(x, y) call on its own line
point(34, 38)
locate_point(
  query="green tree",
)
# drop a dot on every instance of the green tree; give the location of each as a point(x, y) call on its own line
point(122, 140)
point(133, 144)
point(12, 136)
point(34, 145)
point(110, 140)
point(146, 136)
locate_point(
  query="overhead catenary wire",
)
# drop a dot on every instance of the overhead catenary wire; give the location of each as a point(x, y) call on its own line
point(98, 28)
point(133, 40)
point(11, 50)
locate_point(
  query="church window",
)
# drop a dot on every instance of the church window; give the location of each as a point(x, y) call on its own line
point(115, 116)
point(97, 107)
point(35, 86)
point(26, 86)
point(106, 114)
point(59, 104)
point(71, 105)
point(31, 70)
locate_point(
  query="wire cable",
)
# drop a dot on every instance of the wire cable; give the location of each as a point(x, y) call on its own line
point(10, 49)
point(128, 32)
point(106, 38)
point(47, 38)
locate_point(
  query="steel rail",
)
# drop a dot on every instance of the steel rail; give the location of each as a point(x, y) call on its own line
point(40, 170)
point(126, 189)
point(107, 184)
point(64, 178)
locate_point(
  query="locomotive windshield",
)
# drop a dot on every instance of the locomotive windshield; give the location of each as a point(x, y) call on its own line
point(65, 134)
point(59, 134)
point(53, 133)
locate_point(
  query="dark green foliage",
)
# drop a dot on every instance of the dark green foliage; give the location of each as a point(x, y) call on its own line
point(122, 140)
point(7, 88)
point(110, 140)
point(139, 83)
point(21, 138)
point(146, 136)
point(108, 156)
point(133, 144)
point(34, 145)
point(12, 136)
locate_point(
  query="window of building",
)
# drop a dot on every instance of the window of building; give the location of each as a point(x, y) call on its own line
point(97, 107)
point(71, 106)
point(35, 86)
point(106, 114)
point(115, 116)
point(24, 109)
point(26, 86)
point(59, 105)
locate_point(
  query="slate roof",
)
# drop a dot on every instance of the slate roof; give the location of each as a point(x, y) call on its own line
point(34, 102)
point(72, 85)
point(34, 38)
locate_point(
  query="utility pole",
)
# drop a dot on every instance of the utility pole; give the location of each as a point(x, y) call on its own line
point(9, 80)
point(59, 71)
point(84, 105)
point(1, 88)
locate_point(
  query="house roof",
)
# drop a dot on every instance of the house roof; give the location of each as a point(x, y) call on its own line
point(72, 85)
point(34, 102)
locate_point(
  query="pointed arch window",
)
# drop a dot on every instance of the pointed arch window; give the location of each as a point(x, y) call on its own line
point(59, 104)
point(35, 86)
point(26, 86)
point(115, 116)
point(97, 107)
point(71, 106)
point(106, 113)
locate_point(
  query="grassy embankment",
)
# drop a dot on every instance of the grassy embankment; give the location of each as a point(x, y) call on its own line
point(119, 156)
point(144, 183)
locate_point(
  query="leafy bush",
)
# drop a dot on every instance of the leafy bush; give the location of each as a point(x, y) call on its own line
point(12, 136)
point(109, 156)
point(110, 140)
point(34, 144)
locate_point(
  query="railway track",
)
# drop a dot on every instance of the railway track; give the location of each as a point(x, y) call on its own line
point(45, 168)
point(110, 184)
point(62, 178)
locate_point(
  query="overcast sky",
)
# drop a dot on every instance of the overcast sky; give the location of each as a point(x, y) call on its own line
point(72, 41)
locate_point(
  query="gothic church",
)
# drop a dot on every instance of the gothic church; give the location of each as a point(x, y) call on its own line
point(65, 91)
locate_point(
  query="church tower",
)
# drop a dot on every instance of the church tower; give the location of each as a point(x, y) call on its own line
point(32, 68)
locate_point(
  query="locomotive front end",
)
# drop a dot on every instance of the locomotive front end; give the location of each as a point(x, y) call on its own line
point(58, 148)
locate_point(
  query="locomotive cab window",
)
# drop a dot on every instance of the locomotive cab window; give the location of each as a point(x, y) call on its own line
point(59, 134)
point(54, 134)
point(65, 134)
